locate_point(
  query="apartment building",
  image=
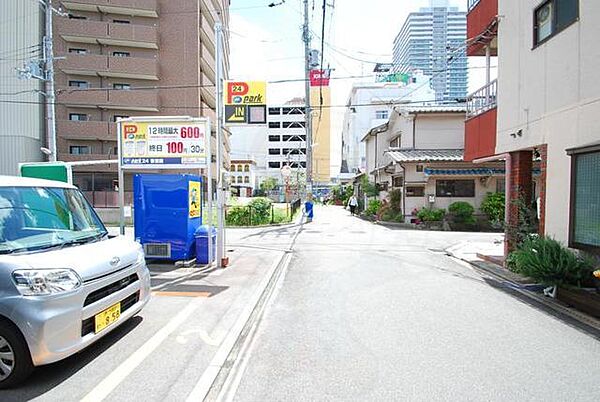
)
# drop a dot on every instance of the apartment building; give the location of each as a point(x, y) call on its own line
point(121, 58)
point(432, 40)
point(242, 177)
point(369, 105)
point(548, 100)
point(21, 101)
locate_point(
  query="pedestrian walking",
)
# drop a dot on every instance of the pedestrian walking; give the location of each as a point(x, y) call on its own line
point(353, 203)
point(308, 209)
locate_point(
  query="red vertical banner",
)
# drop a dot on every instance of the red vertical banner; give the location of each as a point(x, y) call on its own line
point(319, 78)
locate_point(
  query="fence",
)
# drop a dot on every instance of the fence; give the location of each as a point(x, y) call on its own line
point(248, 215)
point(107, 199)
point(482, 100)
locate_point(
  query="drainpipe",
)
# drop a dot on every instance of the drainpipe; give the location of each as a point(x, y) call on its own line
point(403, 191)
point(414, 141)
point(507, 188)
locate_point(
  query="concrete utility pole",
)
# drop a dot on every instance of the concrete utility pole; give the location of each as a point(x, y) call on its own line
point(220, 195)
point(309, 150)
point(49, 76)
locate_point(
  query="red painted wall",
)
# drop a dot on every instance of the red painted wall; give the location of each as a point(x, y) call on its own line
point(478, 19)
point(480, 135)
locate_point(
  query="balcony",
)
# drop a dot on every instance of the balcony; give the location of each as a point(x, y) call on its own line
point(136, 100)
point(108, 66)
point(86, 130)
point(106, 33)
point(139, 8)
point(482, 19)
point(480, 127)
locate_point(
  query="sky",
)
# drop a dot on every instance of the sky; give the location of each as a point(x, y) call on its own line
point(266, 44)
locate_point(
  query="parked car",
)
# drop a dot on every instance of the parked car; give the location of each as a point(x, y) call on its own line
point(64, 281)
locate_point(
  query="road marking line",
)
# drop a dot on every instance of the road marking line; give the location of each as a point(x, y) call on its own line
point(106, 386)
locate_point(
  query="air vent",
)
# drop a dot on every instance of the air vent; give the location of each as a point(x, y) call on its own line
point(157, 250)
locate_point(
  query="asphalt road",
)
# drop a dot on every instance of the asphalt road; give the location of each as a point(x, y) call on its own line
point(161, 354)
point(369, 313)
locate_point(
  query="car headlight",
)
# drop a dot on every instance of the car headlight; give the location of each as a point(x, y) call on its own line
point(39, 282)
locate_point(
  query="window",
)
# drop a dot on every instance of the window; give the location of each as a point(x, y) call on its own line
point(121, 54)
point(274, 165)
point(395, 143)
point(79, 150)
point(246, 179)
point(115, 150)
point(415, 191)
point(303, 164)
point(397, 181)
point(419, 168)
point(501, 185)
point(274, 151)
point(119, 116)
point(553, 16)
point(121, 21)
point(77, 17)
point(585, 200)
point(274, 111)
point(274, 124)
point(239, 179)
point(274, 138)
point(77, 50)
point(240, 168)
point(382, 114)
point(79, 84)
point(78, 117)
point(121, 86)
point(246, 168)
point(455, 188)
point(232, 168)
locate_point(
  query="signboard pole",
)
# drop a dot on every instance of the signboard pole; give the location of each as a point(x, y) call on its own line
point(220, 198)
point(121, 182)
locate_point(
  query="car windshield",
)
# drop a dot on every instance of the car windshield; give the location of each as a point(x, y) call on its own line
point(35, 218)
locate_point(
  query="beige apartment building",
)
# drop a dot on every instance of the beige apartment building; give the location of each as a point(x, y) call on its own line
point(124, 58)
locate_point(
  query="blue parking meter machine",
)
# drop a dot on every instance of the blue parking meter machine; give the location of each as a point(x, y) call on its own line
point(167, 213)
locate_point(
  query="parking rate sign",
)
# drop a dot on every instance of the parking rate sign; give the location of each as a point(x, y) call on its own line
point(166, 144)
point(245, 102)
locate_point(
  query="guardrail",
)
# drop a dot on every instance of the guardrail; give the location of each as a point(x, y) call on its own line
point(482, 100)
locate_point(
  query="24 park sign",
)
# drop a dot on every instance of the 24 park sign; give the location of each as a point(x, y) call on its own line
point(160, 143)
point(245, 102)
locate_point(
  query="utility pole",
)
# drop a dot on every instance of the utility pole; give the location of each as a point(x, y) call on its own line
point(309, 143)
point(219, 107)
point(49, 75)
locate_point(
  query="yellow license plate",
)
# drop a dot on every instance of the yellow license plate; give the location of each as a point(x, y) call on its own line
point(107, 317)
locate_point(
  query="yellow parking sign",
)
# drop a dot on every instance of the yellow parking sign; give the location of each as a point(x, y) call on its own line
point(194, 199)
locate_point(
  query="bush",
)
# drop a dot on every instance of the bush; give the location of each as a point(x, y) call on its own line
point(390, 215)
point(238, 216)
point(493, 206)
point(261, 210)
point(462, 212)
point(431, 214)
point(373, 207)
point(396, 200)
point(547, 261)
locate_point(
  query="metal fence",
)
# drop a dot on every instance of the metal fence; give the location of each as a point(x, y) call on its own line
point(472, 3)
point(482, 100)
point(247, 215)
point(107, 199)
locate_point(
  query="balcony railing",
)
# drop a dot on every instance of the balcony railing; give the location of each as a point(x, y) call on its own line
point(472, 3)
point(482, 100)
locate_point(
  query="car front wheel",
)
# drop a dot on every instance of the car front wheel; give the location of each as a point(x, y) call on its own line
point(15, 360)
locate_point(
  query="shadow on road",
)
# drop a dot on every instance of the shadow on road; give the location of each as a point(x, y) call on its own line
point(45, 378)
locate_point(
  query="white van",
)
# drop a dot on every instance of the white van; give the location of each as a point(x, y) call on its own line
point(64, 282)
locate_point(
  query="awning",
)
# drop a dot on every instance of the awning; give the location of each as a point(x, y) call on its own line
point(470, 172)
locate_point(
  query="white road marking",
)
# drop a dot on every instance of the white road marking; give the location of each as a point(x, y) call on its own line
point(204, 336)
point(106, 386)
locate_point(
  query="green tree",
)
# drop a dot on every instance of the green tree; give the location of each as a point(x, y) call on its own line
point(269, 184)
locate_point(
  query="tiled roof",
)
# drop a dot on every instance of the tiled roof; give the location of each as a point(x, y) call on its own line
point(471, 172)
point(433, 108)
point(426, 155)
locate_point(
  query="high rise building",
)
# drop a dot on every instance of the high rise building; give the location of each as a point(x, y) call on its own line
point(21, 109)
point(107, 50)
point(433, 40)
